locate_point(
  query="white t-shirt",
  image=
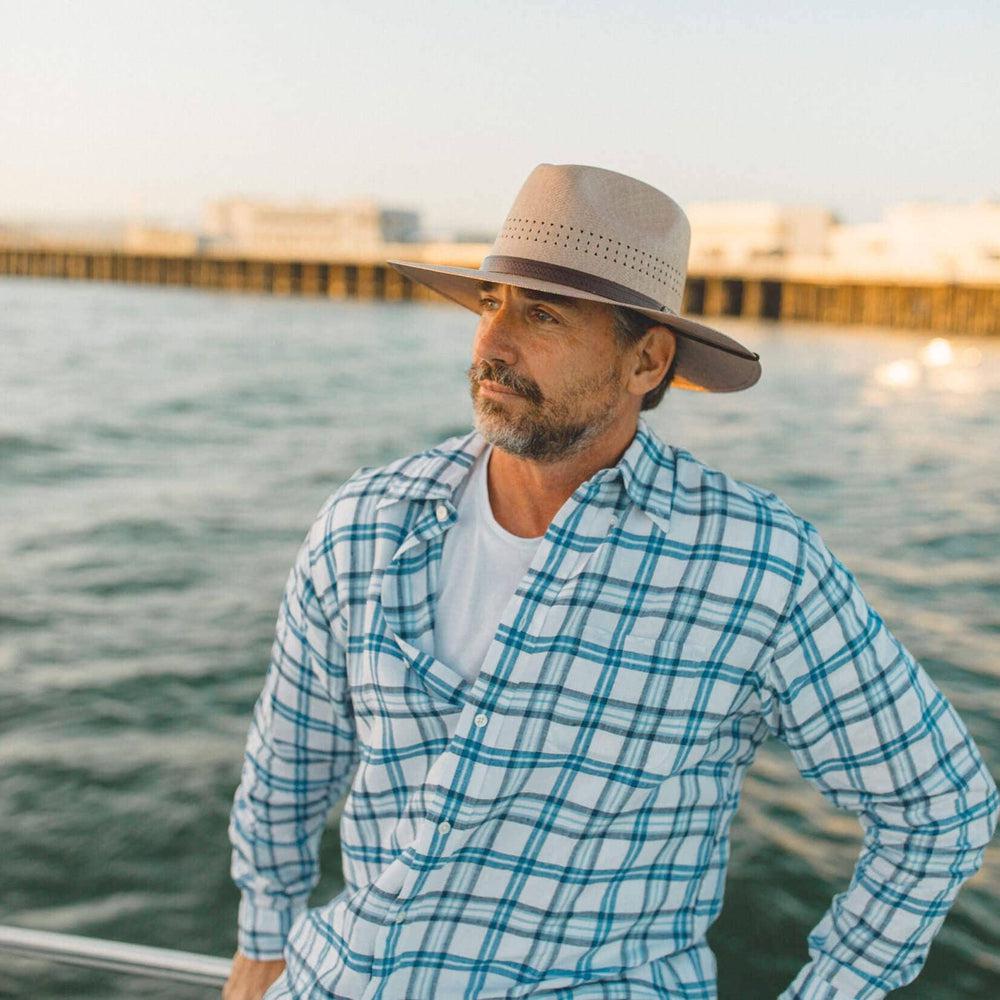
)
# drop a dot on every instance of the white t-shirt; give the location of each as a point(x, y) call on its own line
point(481, 566)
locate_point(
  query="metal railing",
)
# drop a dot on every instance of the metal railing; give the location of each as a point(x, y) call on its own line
point(135, 959)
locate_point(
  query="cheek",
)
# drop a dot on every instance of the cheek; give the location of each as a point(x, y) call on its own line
point(560, 361)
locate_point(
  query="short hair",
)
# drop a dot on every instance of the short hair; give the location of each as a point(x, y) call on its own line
point(629, 328)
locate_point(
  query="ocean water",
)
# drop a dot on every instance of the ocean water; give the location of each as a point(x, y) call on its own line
point(162, 453)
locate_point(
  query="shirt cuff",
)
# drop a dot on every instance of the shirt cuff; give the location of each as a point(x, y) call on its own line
point(262, 930)
point(809, 984)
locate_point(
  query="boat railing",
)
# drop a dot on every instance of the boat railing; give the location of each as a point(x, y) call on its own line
point(116, 956)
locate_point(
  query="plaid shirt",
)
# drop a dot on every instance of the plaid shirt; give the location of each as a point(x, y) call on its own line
point(560, 826)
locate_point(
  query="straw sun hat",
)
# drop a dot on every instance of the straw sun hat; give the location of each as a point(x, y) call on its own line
point(599, 235)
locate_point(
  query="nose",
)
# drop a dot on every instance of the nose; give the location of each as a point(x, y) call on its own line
point(495, 340)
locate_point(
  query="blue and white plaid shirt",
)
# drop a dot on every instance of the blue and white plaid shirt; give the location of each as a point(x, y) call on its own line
point(560, 827)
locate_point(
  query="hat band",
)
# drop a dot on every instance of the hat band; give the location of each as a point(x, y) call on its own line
point(524, 267)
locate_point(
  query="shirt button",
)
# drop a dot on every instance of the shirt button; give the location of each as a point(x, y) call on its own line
point(444, 826)
point(481, 719)
point(442, 512)
point(399, 918)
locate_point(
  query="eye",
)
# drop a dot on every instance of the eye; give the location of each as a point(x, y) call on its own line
point(487, 301)
point(548, 316)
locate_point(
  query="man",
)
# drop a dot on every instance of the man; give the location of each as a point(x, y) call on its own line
point(541, 656)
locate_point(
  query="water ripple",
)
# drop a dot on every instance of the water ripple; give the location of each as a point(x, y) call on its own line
point(163, 453)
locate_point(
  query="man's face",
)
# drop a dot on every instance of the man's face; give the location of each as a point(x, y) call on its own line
point(547, 374)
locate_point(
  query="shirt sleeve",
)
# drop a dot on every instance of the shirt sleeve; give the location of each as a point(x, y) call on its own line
point(871, 731)
point(300, 752)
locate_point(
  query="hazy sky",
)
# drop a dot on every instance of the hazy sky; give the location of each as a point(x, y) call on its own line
point(118, 107)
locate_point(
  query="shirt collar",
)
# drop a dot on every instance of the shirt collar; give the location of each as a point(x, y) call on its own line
point(646, 469)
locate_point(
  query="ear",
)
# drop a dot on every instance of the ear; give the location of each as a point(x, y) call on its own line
point(653, 354)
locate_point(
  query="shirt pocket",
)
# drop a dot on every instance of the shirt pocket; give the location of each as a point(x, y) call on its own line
point(629, 709)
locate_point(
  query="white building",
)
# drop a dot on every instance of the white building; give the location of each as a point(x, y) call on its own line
point(912, 242)
point(924, 240)
point(353, 230)
point(737, 236)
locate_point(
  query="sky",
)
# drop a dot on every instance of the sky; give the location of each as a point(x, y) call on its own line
point(151, 110)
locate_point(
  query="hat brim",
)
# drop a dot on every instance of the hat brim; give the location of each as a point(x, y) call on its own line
point(707, 360)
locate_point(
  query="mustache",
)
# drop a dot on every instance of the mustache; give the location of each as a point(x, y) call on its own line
point(504, 375)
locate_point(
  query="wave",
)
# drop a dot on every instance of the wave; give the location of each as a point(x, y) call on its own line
point(13, 445)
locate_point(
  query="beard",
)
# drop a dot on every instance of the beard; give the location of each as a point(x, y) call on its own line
point(544, 430)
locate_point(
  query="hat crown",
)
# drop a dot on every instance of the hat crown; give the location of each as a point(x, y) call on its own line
point(601, 223)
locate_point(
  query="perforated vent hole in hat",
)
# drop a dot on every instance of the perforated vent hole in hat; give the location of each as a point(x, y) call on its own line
point(596, 244)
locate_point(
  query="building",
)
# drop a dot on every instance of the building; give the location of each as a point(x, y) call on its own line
point(923, 241)
point(736, 236)
point(918, 241)
point(352, 230)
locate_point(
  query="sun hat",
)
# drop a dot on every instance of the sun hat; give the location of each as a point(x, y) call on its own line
point(600, 235)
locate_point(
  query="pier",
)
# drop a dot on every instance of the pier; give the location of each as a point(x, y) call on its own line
point(940, 307)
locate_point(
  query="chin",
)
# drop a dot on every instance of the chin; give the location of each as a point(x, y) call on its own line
point(493, 424)
point(485, 407)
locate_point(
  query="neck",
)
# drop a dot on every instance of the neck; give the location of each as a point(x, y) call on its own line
point(525, 495)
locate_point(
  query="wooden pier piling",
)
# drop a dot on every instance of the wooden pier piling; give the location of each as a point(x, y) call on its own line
point(943, 306)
